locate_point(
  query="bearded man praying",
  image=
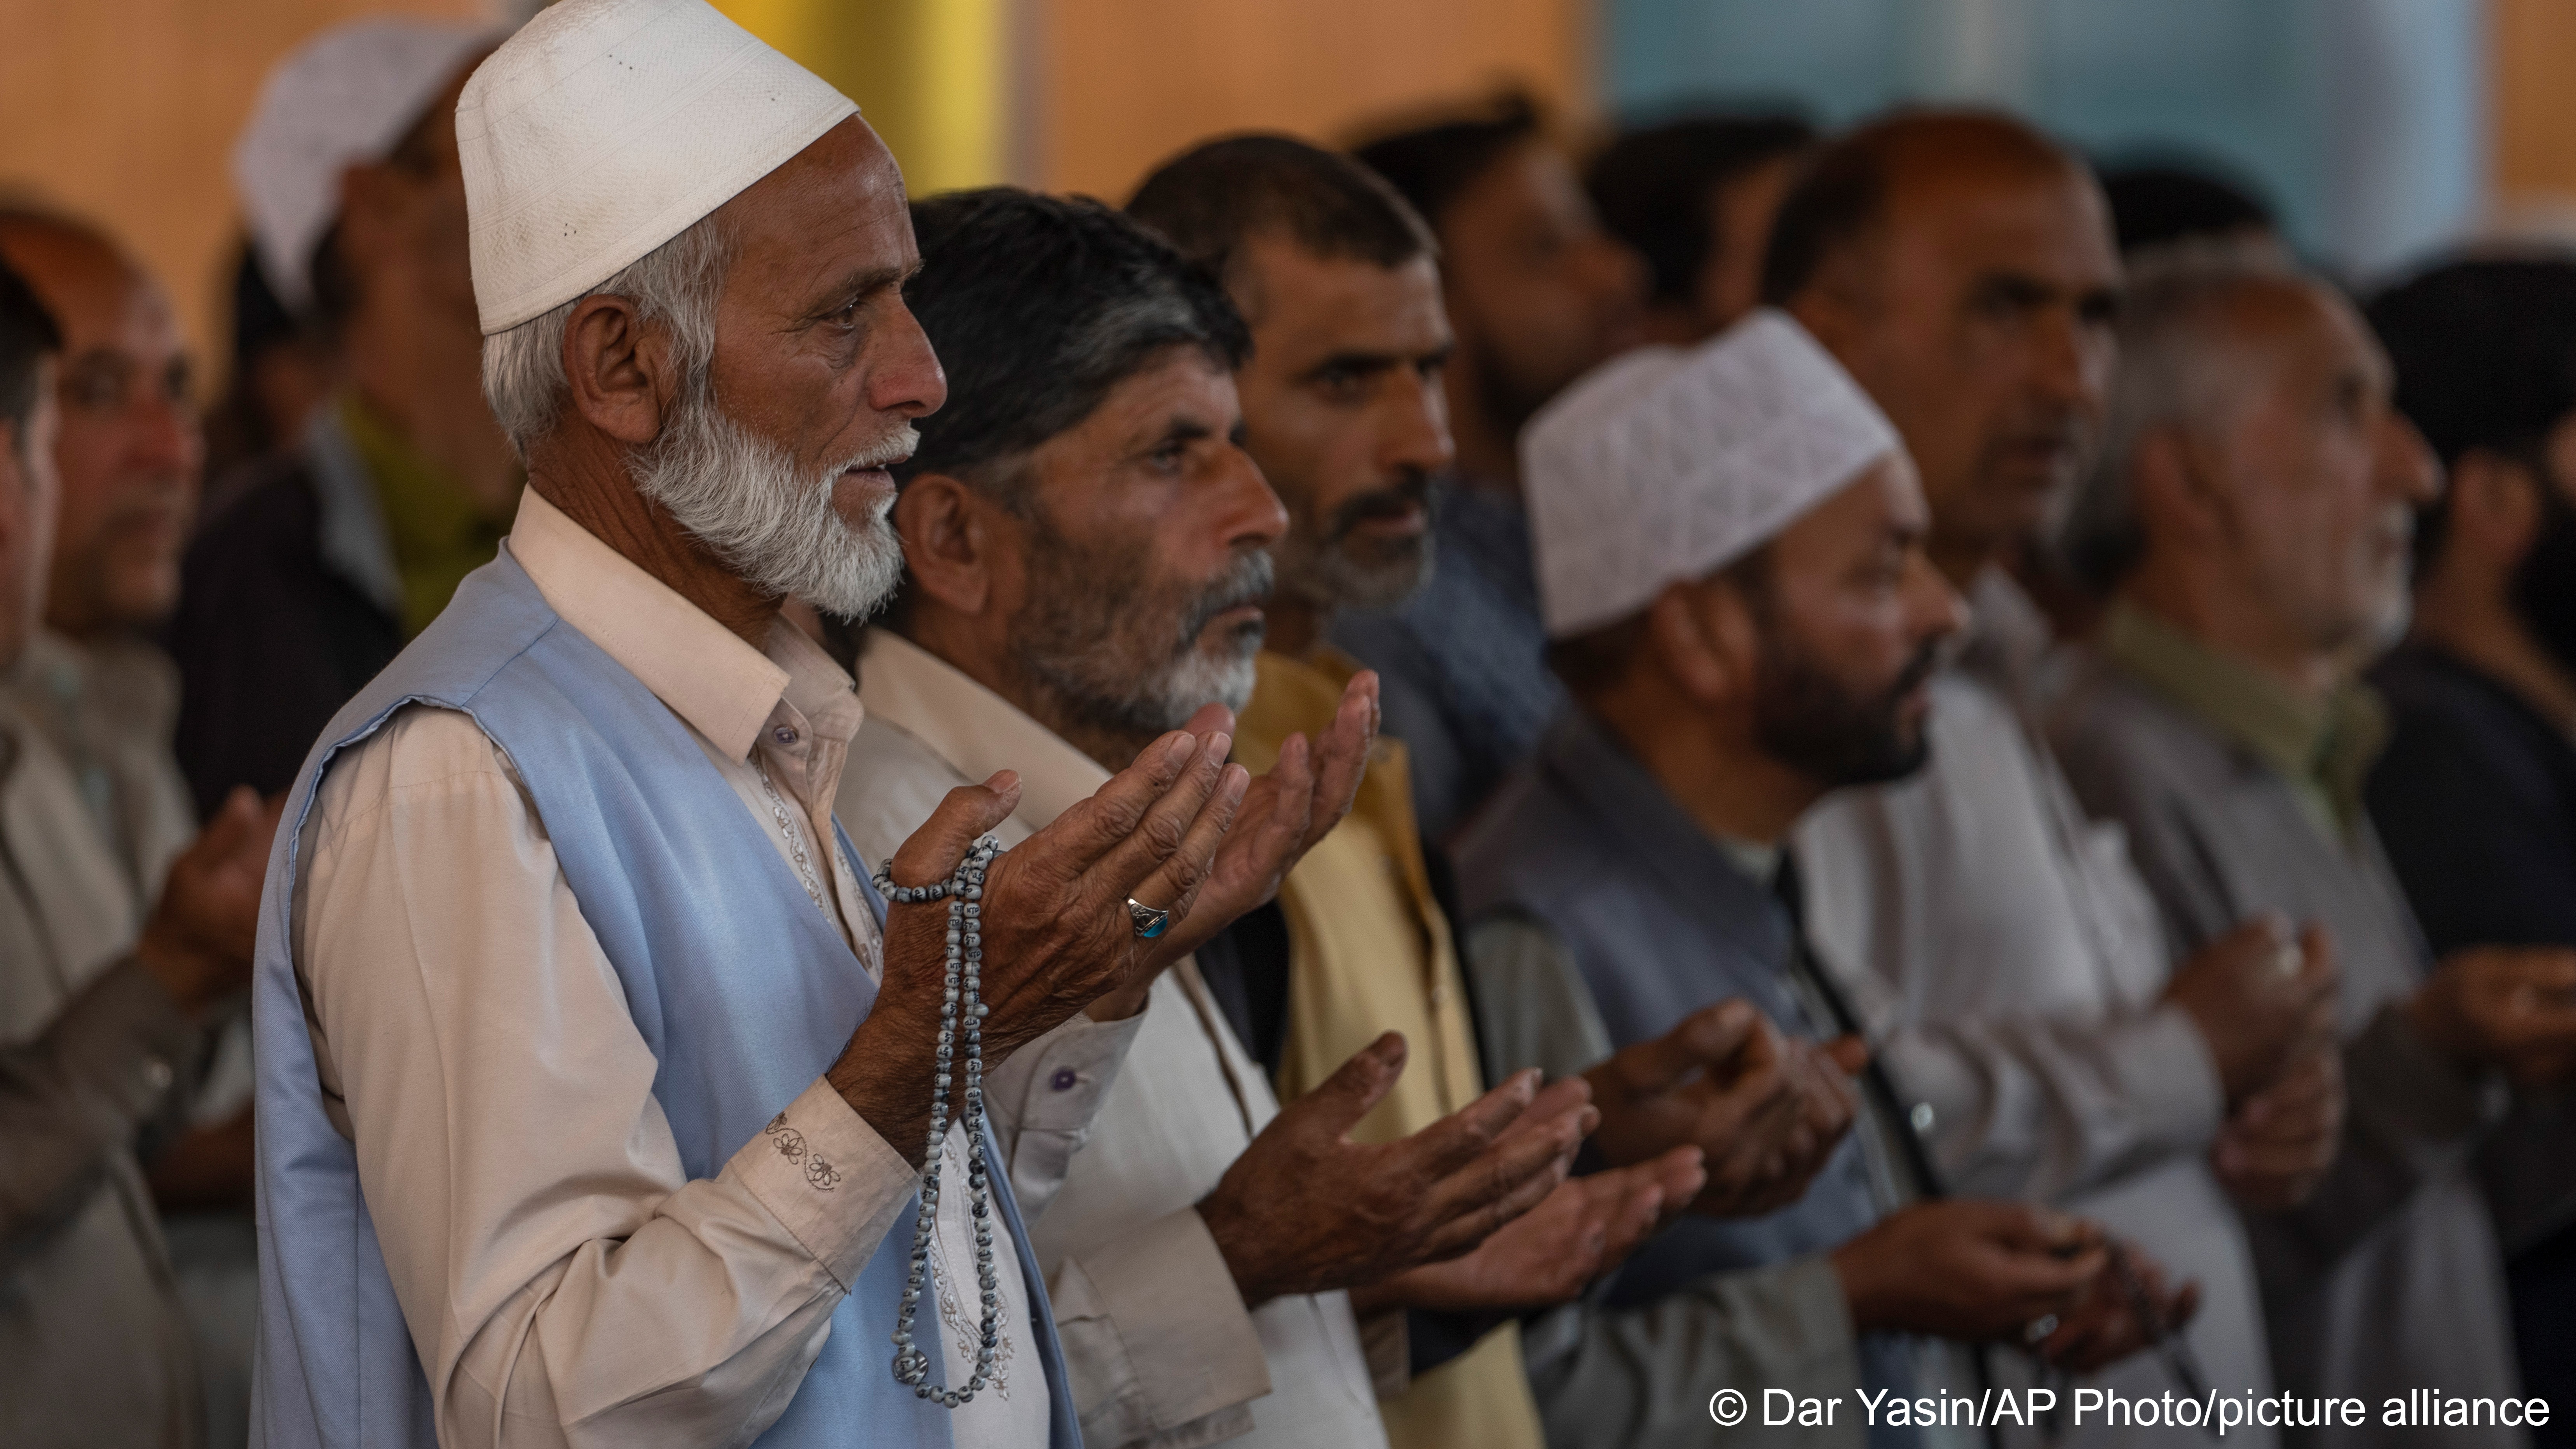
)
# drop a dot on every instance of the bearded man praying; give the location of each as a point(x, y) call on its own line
point(593, 1074)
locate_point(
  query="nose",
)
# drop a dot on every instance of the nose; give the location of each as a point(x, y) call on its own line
point(904, 375)
point(1933, 607)
point(2402, 463)
point(2072, 367)
point(165, 440)
point(1251, 516)
point(1417, 437)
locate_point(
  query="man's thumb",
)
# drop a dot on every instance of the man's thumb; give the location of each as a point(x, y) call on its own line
point(932, 852)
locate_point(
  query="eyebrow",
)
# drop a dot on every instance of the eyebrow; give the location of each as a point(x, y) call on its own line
point(1368, 362)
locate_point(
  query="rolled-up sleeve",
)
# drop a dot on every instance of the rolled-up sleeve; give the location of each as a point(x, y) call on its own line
point(564, 1280)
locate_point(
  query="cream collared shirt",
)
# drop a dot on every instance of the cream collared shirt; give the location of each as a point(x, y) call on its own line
point(1158, 1343)
point(564, 1280)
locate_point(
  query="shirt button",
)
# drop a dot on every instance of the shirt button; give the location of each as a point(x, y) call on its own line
point(1063, 1080)
point(784, 734)
point(1921, 1117)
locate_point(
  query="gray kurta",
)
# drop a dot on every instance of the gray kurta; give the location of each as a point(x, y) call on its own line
point(2389, 1277)
point(2011, 964)
point(1601, 910)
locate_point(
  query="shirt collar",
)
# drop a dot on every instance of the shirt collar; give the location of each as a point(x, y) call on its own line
point(2325, 746)
point(975, 730)
point(721, 686)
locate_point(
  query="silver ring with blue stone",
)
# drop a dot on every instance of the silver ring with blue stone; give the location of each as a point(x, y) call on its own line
point(1149, 922)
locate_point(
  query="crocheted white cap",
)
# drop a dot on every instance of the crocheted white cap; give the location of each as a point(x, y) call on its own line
point(607, 127)
point(345, 97)
point(1666, 464)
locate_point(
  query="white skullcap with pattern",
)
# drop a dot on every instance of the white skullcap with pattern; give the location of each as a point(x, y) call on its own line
point(347, 96)
point(607, 127)
point(1670, 463)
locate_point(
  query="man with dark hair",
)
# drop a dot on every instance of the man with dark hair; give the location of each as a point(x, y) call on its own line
point(317, 564)
point(1751, 625)
point(2156, 206)
point(2009, 958)
point(107, 987)
point(1695, 197)
point(1535, 293)
point(2267, 488)
point(2476, 795)
point(1343, 412)
point(1085, 548)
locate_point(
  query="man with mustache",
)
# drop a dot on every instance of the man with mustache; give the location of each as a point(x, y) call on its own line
point(316, 565)
point(1344, 413)
point(2475, 798)
point(1729, 551)
point(2002, 952)
point(1086, 546)
point(1537, 292)
point(599, 1092)
point(2250, 520)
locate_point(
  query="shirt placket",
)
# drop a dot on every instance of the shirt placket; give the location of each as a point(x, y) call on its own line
point(804, 766)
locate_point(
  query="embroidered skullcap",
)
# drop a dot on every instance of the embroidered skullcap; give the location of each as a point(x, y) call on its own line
point(1669, 463)
point(345, 97)
point(607, 127)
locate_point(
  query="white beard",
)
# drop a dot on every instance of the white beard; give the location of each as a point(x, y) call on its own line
point(741, 495)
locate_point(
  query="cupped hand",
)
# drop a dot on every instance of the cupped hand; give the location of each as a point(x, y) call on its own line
point(1550, 1254)
point(2260, 997)
point(2276, 1148)
point(1971, 1269)
point(1307, 1210)
point(204, 928)
point(2108, 1325)
point(1766, 1112)
point(2508, 1007)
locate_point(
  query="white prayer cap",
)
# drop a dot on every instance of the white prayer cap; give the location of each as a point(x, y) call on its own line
point(607, 127)
point(1667, 464)
point(345, 97)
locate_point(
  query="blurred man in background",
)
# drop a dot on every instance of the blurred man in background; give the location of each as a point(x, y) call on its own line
point(1695, 198)
point(2475, 797)
point(315, 566)
point(2251, 517)
point(1730, 557)
point(1536, 292)
point(104, 698)
point(2003, 953)
point(108, 987)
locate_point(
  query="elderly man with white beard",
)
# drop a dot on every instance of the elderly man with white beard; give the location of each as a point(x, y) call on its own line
point(602, 1101)
point(1086, 550)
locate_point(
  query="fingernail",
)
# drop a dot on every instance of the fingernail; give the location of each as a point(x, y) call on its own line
point(1180, 747)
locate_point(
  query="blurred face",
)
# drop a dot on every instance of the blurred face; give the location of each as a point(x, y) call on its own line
point(129, 446)
point(1538, 291)
point(777, 463)
point(28, 493)
point(1851, 617)
point(1740, 213)
point(403, 222)
point(1342, 409)
point(1980, 319)
point(2318, 477)
point(1145, 554)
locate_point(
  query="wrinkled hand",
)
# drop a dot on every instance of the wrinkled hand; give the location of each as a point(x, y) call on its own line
point(1765, 1112)
point(203, 930)
point(1970, 1269)
point(2105, 1328)
point(2255, 1015)
point(1306, 1210)
point(2509, 1007)
point(2276, 1148)
point(1551, 1253)
point(1055, 925)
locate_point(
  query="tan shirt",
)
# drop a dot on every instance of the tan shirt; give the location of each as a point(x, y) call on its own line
point(564, 1280)
point(1159, 1345)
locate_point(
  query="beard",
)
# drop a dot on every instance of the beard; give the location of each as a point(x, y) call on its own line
point(2544, 583)
point(1331, 572)
point(1120, 652)
point(743, 498)
point(1811, 721)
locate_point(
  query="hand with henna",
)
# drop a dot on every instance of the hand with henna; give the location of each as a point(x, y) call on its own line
point(1307, 1210)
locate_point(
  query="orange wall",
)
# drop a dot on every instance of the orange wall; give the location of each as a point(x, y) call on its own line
point(2533, 106)
point(1119, 85)
point(125, 111)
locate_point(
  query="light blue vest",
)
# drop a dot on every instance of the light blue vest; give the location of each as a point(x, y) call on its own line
point(741, 988)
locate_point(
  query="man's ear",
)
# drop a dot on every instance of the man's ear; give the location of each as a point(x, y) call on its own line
point(619, 370)
point(2175, 487)
point(951, 542)
point(1704, 639)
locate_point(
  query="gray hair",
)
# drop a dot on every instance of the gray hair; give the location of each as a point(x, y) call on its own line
point(2182, 364)
point(676, 285)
